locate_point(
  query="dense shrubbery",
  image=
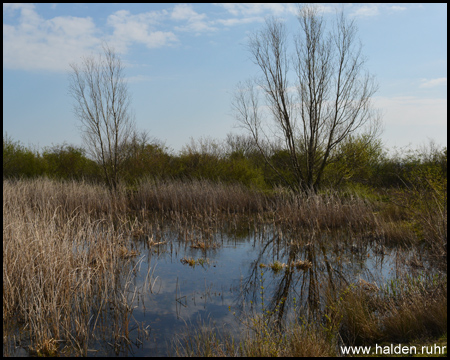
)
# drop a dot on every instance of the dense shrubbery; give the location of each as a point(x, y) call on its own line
point(18, 161)
point(357, 163)
point(68, 162)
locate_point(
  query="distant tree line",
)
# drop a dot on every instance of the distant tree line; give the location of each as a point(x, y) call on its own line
point(236, 159)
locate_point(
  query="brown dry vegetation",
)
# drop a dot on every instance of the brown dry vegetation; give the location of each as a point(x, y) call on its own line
point(68, 257)
point(63, 265)
point(358, 316)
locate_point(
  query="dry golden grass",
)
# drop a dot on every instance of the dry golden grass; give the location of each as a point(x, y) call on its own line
point(196, 197)
point(68, 256)
point(63, 263)
point(412, 309)
point(206, 200)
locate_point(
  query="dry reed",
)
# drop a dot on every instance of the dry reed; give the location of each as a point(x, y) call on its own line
point(62, 265)
point(67, 253)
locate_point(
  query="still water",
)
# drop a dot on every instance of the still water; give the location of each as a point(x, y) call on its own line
point(229, 280)
point(175, 284)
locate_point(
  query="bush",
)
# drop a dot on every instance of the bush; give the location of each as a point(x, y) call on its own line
point(18, 161)
point(69, 162)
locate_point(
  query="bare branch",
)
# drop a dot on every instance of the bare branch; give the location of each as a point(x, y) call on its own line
point(101, 103)
point(333, 91)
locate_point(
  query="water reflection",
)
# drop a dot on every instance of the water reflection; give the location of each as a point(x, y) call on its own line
point(232, 274)
point(165, 292)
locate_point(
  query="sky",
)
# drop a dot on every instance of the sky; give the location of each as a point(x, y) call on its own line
point(184, 61)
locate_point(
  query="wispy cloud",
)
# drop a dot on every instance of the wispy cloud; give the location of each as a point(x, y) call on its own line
point(397, 8)
point(239, 21)
point(194, 22)
point(251, 9)
point(35, 43)
point(366, 10)
point(242, 13)
point(139, 78)
point(139, 28)
point(433, 82)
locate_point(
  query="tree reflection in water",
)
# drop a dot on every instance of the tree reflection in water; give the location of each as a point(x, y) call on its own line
point(332, 266)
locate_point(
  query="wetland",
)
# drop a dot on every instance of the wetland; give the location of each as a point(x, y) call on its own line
point(198, 268)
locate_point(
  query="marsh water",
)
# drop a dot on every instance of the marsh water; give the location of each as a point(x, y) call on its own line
point(176, 285)
point(233, 278)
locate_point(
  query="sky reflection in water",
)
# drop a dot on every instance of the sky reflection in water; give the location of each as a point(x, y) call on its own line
point(183, 296)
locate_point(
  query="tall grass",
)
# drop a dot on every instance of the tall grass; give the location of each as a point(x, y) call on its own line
point(68, 261)
point(203, 197)
point(62, 268)
point(197, 197)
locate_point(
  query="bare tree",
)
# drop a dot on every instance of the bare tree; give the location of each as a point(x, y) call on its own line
point(102, 104)
point(324, 98)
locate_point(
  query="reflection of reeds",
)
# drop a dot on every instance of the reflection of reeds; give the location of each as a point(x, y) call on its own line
point(278, 266)
point(357, 314)
point(68, 257)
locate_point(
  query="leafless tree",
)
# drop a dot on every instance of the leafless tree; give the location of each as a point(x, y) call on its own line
point(102, 104)
point(316, 96)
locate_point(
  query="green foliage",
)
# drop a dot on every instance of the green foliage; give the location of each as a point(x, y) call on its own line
point(243, 171)
point(207, 162)
point(69, 162)
point(18, 161)
point(359, 165)
point(407, 167)
point(282, 163)
point(147, 160)
point(355, 160)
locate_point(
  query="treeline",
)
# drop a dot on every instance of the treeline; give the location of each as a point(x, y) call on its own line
point(234, 160)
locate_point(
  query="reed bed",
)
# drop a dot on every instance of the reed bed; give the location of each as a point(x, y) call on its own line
point(68, 256)
point(325, 211)
point(197, 197)
point(204, 198)
point(198, 200)
point(63, 269)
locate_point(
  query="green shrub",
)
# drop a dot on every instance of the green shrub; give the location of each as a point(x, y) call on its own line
point(18, 161)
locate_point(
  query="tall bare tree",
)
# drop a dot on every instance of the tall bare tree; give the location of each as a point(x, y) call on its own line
point(316, 97)
point(102, 104)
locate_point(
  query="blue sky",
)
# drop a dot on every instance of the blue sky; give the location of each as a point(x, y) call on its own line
point(183, 62)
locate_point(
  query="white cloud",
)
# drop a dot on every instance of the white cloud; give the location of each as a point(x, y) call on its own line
point(366, 10)
point(195, 22)
point(35, 43)
point(235, 21)
point(139, 28)
point(256, 12)
point(397, 8)
point(253, 12)
point(251, 9)
point(433, 82)
point(185, 12)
